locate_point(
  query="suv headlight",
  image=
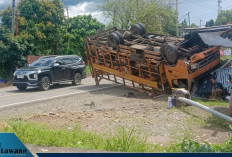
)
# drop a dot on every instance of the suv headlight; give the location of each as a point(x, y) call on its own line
point(33, 76)
point(36, 76)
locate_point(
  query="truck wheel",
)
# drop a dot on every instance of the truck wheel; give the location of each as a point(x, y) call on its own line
point(137, 29)
point(171, 53)
point(143, 28)
point(44, 83)
point(120, 37)
point(113, 40)
point(22, 88)
point(76, 79)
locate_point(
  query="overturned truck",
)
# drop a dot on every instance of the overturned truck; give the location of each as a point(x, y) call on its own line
point(149, 61)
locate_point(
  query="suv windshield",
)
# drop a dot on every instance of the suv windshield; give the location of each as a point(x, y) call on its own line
point(43, 62)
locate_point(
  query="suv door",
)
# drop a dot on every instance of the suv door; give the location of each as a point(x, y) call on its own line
point(68, 68)
point(58, 71)
point(78, 64)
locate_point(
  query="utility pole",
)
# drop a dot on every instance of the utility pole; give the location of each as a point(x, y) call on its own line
point(200, 23)
point(13, 18)
point(67, 13)
point(177, 20)
point(219, 6)
point(67, 26)
point(189, 19)
point(17, 24)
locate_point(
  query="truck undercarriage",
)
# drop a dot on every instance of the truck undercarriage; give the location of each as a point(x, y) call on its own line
point(149, 61)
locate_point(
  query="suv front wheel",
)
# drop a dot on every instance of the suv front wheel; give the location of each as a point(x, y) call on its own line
point(76, 79)
point(44, 83)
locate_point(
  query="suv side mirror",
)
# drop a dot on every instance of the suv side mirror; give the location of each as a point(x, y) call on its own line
point(56, 64)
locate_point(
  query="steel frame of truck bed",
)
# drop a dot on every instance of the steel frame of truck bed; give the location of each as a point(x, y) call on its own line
point(156, 77)
point(102, 68)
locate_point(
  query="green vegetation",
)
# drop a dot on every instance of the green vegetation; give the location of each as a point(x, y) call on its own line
point(190, 146)
point(88, 72)
point(211, 102)
point(223, 18)
point(43, 30)
point(210, 23)
point(123, 141)
point(158, 17)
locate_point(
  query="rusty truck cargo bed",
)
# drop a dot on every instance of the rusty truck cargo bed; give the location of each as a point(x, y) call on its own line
point(150, 62)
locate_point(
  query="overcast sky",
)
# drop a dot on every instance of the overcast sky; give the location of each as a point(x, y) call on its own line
point(199, 9)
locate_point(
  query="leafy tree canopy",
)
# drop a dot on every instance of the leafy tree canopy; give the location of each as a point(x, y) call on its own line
point(43, 30)
point(224, 18)
point(210, 23)
point(159, 17)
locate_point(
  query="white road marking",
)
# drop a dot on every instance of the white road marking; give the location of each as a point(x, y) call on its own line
point(55, 97)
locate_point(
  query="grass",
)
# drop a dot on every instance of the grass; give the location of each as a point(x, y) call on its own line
point(221, 106)
point(123, 141)
point(88, 72)
point(226, 58)
point(189, 146)
point(211, 102)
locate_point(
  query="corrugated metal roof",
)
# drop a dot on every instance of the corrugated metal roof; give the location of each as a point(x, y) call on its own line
point(223, 77)
point(214, 39)
point(208, 29)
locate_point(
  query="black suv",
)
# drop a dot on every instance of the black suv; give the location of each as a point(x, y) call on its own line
point(50, 70)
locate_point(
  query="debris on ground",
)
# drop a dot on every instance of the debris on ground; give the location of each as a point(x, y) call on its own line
point(129, 95)
point(92, 104)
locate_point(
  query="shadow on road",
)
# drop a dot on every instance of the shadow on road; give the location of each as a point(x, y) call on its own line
point(118, 91)
point(34, 90)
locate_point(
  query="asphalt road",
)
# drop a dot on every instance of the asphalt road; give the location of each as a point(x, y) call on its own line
point(11, 96)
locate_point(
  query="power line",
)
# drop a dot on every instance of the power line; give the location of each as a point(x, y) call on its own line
point(219, 6)
point(208, 4)
point(183, 16)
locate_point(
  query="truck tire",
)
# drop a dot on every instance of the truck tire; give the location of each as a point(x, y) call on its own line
point(76, 79)
point(143, 28)
point(22, 88)
point(137, 29)
point(44, 83)
point(113, 40)
point(120, 37)
point(171, 53)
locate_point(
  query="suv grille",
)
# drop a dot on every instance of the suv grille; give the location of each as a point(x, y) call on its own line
point(20, 79)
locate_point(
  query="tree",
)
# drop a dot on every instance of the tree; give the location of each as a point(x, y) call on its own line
point(81, 27)
point(224, 17)
point(210, 23)
point(156, 15)
point(6, 17)
point(12, 53)
point(193, 25)
point(43, 30)
point(184, 24)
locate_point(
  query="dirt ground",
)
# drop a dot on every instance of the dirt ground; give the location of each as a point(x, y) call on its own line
point(105, 111)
